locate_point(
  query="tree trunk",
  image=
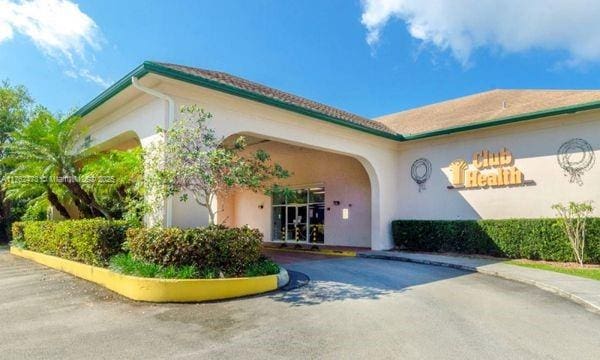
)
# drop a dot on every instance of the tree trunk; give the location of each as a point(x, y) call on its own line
point(122, 192)
point(4, 217)
point(4, 206)
point(53, 199)
point(86, 199)
point(84, 211)
point(212, 215)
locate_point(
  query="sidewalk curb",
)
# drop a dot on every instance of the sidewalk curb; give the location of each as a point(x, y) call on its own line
point(328, 252)
point(283, 278)
point(595, 308)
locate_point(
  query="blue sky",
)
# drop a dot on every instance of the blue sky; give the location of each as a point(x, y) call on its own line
point(369, 57)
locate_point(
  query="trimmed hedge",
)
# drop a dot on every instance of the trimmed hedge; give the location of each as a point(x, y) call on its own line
point(229, 250)
point(90, 241)
point(535, 239)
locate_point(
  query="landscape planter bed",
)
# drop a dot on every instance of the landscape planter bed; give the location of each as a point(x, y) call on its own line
point(160, 290)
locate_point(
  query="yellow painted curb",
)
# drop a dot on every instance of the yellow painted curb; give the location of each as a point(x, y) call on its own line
point(156, 290)
point(348, 253)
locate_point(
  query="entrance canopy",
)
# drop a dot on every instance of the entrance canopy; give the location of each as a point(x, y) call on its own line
point(330, 201)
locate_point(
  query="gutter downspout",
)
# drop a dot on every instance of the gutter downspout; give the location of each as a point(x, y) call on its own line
point(169, 118)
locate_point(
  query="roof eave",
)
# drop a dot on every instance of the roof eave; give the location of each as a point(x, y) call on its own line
point(151, 67)
point(571, 109)
point(113, 90)
point(214, 85)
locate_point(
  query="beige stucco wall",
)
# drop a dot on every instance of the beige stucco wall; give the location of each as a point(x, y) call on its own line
point(140, 114)
point(378, 156)
point(344, 178)
point(393, 195)
point(233, 115)
point(534, 146)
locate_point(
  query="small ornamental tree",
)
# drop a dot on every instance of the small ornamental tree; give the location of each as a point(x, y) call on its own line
point(192, 159)
point(573, 219)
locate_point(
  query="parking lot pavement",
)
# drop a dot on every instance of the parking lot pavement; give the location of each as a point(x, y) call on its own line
point(352, 308)
point(581, 290)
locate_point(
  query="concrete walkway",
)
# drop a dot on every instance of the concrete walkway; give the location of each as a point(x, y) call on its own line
point(583, 291)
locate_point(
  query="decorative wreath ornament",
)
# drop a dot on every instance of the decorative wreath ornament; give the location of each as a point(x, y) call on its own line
point(420, 171)
point(575, 157)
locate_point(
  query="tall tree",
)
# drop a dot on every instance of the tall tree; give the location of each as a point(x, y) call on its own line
point(28, 182)
point(15, 106)
point(52, 145)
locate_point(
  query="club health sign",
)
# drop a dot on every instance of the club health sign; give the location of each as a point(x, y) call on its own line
point(488, 169)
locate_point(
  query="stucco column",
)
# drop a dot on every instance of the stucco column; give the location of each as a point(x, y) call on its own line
point(160, 214)
point(383, 175)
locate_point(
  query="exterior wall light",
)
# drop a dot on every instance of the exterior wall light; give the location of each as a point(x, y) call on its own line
point(345, 214)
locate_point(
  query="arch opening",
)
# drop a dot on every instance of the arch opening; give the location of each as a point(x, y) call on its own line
point(332, 202)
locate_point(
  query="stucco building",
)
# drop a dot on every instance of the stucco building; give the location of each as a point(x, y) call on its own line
point(497, 154)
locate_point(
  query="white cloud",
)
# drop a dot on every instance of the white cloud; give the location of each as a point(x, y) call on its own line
point(58, 28)
point(462, 26)
point(87, 76)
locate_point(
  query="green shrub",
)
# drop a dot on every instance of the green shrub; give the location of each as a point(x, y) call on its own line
point(18, 236)
point(213, 248)
point(90, 241)
point(535, 239)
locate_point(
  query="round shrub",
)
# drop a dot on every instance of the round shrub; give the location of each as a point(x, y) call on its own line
point(91, 241)
point(228, 250)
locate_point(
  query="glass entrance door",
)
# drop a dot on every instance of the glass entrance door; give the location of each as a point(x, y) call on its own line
point(296, 223)
point(300, 217)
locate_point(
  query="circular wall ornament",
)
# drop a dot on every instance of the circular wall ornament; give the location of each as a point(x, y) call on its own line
point(575, 157)
point(420, 171)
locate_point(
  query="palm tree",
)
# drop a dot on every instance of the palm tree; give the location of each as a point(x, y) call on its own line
point(28, 181)
point(50, 145)
point(116, 179)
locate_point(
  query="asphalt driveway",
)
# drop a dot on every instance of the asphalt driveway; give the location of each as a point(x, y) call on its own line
point(352, 308)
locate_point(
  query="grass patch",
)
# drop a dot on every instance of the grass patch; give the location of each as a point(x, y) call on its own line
point(586, 272)
point(125, 264)
point(263, 267)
